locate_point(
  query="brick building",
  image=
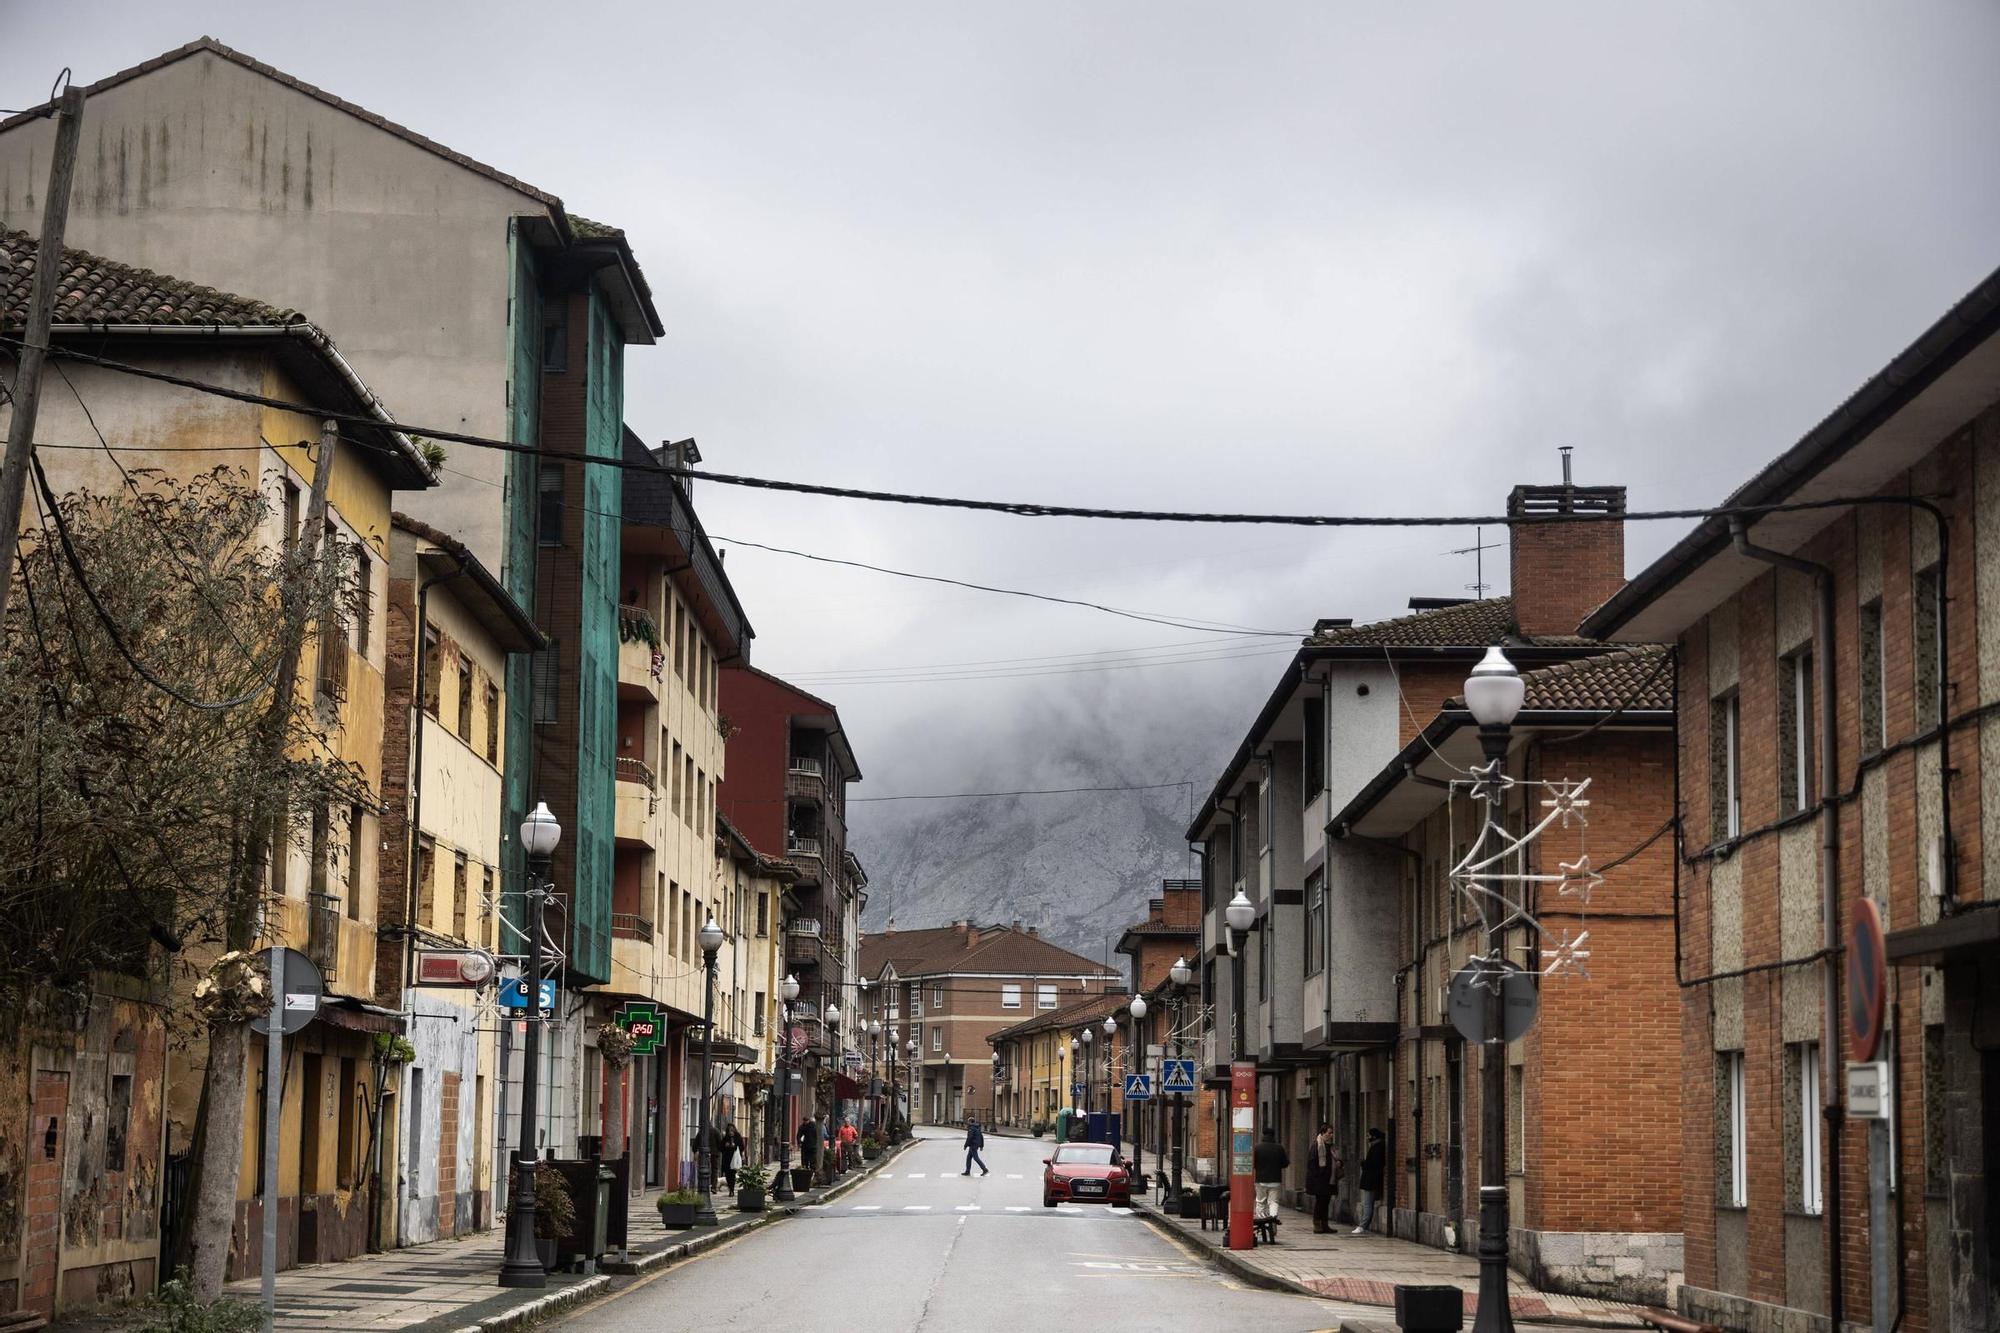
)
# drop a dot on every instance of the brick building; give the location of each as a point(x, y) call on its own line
point(1593, 1089)
point(1880, 613)
point(953, 987)
point(1170, 932)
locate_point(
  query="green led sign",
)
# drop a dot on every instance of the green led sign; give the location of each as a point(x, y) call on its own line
point(643, 1024)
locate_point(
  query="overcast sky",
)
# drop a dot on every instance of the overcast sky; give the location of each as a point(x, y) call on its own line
point(1322, 257)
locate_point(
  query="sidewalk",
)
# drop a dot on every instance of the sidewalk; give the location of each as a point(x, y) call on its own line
point(1367, 1269)
point(451, 1286)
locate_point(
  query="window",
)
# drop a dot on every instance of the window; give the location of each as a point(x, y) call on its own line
point(673, 918)
point(549, 511)
point(426, 852)
point(937, 997)
point(763, 912)
point(1045, 996)
point(356, 839)
point(700, 801)
point(1315, 747)
point(1725, 769)
point(432, 670)
point(1802, 1127)
point(547, 697)
point(364, 599)
point(916, 1001)
point(1874, 710)
point(465, 700)
point(1795, 732)
point(1926, 617)
point(117, 1121)
point(674, 775)
point(1010, 995)
point(487, 936)
point(1315, 922)
point(555, 338)
point(458, 892)
point(1733, 1164)
point(1264, 959)
point(687, 772)
point(330, 681)
point(492, 723)
point(291, 511)
point(757, 1015)
point(349, 1109)
point(937, 1039)
point(680, 641)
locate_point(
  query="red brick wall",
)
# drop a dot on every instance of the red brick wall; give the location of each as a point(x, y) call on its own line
point(753, 795)
point(45, 1165)
point(1425, 687)
point(1563, 571)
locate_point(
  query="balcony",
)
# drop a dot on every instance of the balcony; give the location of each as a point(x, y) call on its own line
point(625, 926)
point(641, 663)
point(804, 944)
point(636, 800)
point(639, 771)
point(805, 782)
point(804, 854)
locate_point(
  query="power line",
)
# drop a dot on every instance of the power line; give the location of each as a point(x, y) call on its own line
point(1085, 670)
point(1008, 661)
point(1016, 508)
point(1038, 791)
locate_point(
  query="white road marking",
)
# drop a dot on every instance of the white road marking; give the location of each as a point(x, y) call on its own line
point(916, 1175)
point(819, 1205)
point(867, 1207)
point(879, 1175)
point(968, 1208)
point(1017, 1210)
point(1011, 1175)
point(916, 1208)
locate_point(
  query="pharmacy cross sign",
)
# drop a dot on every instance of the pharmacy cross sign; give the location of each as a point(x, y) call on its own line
point(642, 1023)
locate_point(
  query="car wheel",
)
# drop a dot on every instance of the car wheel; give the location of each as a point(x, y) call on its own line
point(1047, 1202)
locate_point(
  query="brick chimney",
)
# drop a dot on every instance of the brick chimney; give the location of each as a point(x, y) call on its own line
point(1561, 571)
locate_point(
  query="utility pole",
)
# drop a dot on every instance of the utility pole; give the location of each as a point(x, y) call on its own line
point(35, 345)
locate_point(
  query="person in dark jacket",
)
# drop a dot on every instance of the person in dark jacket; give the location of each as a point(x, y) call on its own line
point(729, 1155)
point(975, 1139)
point(1269, 1161)
point(1371, 1179)
point(1322, 1175)
point(809, 1146)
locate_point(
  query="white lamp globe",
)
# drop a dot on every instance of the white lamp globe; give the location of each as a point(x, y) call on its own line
point(709, 936)
point(791, 989)
point(540, 832)
point(1138, 1006)
point(832, 1014)
point(1493, 691)
point(1088, 1036)
point(1110, 1026)
point(1240, 914)
point(1181, 972)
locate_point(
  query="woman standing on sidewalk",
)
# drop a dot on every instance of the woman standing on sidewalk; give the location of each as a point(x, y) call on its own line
point(1322, 1176)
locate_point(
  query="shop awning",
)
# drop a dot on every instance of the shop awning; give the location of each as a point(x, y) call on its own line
point(843, 1086)
point(344, 1011)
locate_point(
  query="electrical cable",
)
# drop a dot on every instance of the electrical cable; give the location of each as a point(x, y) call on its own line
point(1052, 659)
point(1023, 509)
point(1080, 670)
point(1040, 791)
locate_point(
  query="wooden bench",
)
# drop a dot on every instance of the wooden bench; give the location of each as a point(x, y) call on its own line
point(1669, 1322)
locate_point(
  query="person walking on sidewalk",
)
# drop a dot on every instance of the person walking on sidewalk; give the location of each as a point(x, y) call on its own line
point(729, 1155)
point(975, 1139)
point(1371, 1180)
point(1269, 1161)
point(1322, 1176)
point(849, 1136)
point(809, 1147)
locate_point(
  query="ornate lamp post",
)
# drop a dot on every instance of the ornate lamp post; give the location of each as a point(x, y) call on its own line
point(1240, 915)
point(1089, 1068)
point(1110, 1039)
point(993, 1112)
point(1135, 1047)
point(832, 1020)
point(1493, 693)
point(523, 1265)
point(874, 1053)
point(1075, 1068)
point(1180, 974)
point(710, 939)
point(894, 1088)
point(912, 1049)
point(790, 990)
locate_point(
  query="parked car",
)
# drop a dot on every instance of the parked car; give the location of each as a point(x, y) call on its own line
point(1085, 1173)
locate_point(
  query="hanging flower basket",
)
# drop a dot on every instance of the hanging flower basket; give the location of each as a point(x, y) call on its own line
point(614, 1043)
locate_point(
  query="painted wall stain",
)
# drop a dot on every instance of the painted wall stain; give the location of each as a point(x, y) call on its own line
point(309, 170)
point(145, 166)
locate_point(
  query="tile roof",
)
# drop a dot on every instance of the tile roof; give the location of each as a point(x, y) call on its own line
point(1633, 678)
point(1488, 620)
point(589, 230)
point(1091, 1010)
point(947, 949)
point(93, 290)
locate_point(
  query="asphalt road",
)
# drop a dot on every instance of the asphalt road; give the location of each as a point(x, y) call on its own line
point(921, 1247)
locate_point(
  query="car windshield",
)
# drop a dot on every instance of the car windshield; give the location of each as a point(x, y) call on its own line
point(1086, 1154)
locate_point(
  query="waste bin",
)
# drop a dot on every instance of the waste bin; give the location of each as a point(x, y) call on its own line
point(1429, 1309)
point(600, 1213)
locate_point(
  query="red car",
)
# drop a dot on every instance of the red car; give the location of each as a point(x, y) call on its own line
point(1085, 1173)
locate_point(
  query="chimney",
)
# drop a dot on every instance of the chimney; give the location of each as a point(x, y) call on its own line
point(1033, 933)
point(889, 929)
point(1017, 930)
point(1563, 570)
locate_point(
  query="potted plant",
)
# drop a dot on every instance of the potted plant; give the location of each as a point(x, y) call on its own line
point(871, 1148)
point(555, 1213)
point(1039, 1128)
point(750, 1182)
point(677, 1209)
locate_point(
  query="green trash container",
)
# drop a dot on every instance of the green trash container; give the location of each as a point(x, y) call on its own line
point(600, 1214)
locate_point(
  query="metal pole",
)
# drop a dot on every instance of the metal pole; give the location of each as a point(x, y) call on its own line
point(27, 389)
point(523, 1265)
point(1881, 1229)
point(274, 1100)
point(1495, 1313)
point(705, 1154)
point(1180, 1099)
point(784, 1191)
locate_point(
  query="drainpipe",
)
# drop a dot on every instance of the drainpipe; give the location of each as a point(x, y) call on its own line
point(1829, 879)
point(1326, 864)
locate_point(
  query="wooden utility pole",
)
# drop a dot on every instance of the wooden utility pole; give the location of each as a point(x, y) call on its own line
point(35, 346)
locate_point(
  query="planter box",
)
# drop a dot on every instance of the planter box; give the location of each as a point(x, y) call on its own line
point(1430, 1309)
point(802, 1179)
point(871, 1153)
point(545, 1250)
point(678, 1216)
point(1190, 1205)
point(749, 1201)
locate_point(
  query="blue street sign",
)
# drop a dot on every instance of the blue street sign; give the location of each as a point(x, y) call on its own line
point(1138, 1087)
point(514, 996)
point(1178, 1077)
point(1076, 1090)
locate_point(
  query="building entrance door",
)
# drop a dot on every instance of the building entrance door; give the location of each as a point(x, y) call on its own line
point(1454, 1150)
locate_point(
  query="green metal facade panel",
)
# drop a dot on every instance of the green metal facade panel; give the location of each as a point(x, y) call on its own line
point(517, 570)
point(597, 658)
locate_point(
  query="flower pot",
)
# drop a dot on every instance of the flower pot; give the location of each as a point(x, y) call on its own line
point(545, 1250)
point(678, 1216)
point(871, 1153)
point(802, 1179)
point(749, 1201)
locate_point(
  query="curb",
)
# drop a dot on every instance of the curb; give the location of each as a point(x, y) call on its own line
point(534, 1311)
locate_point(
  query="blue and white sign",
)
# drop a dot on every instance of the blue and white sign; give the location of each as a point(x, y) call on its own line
point(514, 996)
point(1180, 1076)
point(1138, 1087)
point(1075, 1091)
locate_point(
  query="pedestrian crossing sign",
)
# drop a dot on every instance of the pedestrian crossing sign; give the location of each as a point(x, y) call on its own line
point(1138, 1087)
point(1179, 1076)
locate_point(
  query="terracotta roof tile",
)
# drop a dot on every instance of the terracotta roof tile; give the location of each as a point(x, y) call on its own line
point(1000, 949)
point(1634, 678)
point(94, 290)
point(1488, 620)
point(1091, 1010)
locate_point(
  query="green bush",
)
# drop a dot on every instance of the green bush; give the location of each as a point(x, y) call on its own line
point(754, 1176)
point(176, 1309)
point(555, 1211)
point(1039, 1128)
point(681, 1197)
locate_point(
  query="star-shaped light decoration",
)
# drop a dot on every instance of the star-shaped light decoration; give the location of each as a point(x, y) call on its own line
point(1566, 956)
point(1578, 879)
point(1567, 800)
point(1489, 782)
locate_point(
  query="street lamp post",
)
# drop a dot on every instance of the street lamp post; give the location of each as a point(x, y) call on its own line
point(1110, 1037)
point(1089, 1069)
point(1239, 916)
point(915, 1087)
point(832, 1020)
point(1493, 693)
point(1180, 974)
point(1135, 1048)
point(993, 1112)
point(874, 1096)
point(1075, 1073)
point(710, 939)
point(523, 1265)
point(895, 1088)
point(790, 990)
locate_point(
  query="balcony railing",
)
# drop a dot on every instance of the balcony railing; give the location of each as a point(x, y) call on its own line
point(625, 926)
point(796, 845)
point(805, 785)
point(637, 770)
point(323, 932)
point(803, 950)
point(801, 763)
point(808, 926)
